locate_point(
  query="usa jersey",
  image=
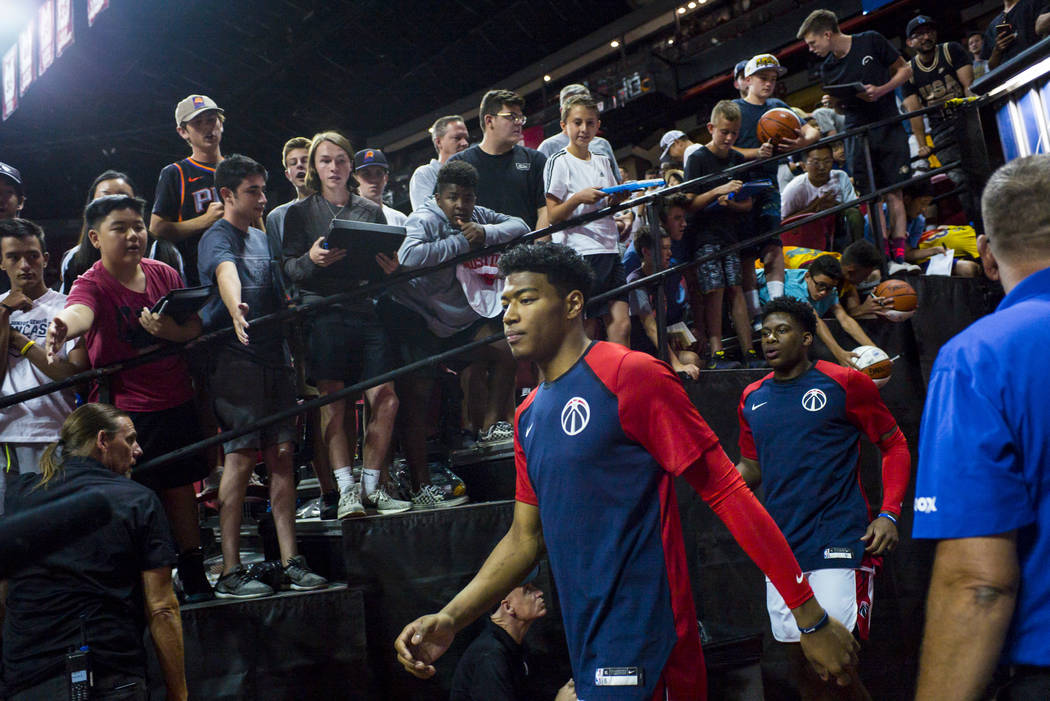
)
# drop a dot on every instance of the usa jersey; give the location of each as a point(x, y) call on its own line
point(184, 191)
point(805, 434)
point(596, 451)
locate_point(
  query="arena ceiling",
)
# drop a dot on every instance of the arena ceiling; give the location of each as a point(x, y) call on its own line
point(278, 67)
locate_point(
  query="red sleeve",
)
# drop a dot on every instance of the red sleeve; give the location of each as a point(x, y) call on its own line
point(718, 483)
point(746, 441)
point(866, 410)
point(656, 412)
point(864, 406)
point(523, 491)
point(896, 471)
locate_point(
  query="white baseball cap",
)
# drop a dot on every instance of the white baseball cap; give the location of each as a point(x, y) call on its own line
point(667, 139)
point(761, 63)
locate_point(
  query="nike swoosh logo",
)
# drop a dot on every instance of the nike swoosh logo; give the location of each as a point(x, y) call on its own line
point(528, 431)
point(799, 578)
point(193, 180)
point(756, 406)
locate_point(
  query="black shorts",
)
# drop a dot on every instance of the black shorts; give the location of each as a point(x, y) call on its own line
point(608, 275)
point(765, 216)
point(412, 340)
point(890, 159)
point(244, 391)
point(345, 345)
point(161, 432)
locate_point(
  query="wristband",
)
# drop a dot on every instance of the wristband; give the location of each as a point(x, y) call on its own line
point(8, 308)
point(26, 347)
point(887, 514)
point(824, 620)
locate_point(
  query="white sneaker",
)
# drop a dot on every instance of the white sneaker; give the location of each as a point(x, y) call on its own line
point(499, 431)
point(893, 267)
point(350, 503)
point(386, 504)
point(431, 497)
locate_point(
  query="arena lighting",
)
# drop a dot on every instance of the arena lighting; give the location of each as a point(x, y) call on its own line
point(547, 78)
point(1033, 72)
point(681, 10)
point(615, 43)
point(691, 6)
point(670, 42)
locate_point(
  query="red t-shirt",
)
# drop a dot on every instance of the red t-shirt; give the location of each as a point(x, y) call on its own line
point(116, 335)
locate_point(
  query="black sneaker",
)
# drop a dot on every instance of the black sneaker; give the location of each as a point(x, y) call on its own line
point(753, 360)
point(719, 361)
point(330, 506)
point(192, 581)
point(300, 577)
point(241, 584)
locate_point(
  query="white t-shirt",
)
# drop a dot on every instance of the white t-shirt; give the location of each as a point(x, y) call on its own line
point(36, 420)
point(394, 217)
point(482, 284)
point(564, 175)
point(800, 192)
point(688, 152)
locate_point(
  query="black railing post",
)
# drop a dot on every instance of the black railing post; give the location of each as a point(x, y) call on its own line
point(655, 235)
point(875, 206)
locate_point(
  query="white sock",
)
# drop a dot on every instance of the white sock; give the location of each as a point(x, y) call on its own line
point(752, 302)
point(344, 477)
point(776, 288)
point(370, 480)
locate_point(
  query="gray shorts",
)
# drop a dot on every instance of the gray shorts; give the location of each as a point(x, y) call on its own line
point(244, 391)
point(718, 273)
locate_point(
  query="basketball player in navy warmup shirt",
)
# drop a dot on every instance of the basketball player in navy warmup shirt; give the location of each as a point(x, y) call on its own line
point(800, 428)
point(596, 447)
point(186, 203)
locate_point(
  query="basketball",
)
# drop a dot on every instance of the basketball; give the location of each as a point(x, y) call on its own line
point(903, 298)
point(779, 122)
point(874, 363)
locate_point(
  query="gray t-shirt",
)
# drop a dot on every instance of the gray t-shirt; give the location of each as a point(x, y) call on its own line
point(421, 186)
point(249, 251)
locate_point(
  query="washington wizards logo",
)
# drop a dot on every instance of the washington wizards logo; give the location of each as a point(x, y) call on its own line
point(575, 415)
point(814, 400)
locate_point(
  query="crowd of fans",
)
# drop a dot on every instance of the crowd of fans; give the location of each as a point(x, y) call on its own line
point(209, 226)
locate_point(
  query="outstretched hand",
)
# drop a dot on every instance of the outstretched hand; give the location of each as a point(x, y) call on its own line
point(422, 642)
point(57, 331)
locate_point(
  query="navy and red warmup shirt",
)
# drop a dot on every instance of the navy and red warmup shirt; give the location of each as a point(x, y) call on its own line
point(805, 434)
point(596, 451)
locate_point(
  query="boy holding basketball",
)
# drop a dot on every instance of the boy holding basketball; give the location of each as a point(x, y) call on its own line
point(760, 77)
point(573, 178)
point(709, 230)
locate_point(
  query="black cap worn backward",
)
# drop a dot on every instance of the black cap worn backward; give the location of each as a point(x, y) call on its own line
point(12, 174)
point(919, 21)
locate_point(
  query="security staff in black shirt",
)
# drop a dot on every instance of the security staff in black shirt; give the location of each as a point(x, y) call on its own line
point(99, 591)
point(494, 667)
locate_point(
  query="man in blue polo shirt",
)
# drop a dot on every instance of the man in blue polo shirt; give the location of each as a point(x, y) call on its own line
point(983, 485)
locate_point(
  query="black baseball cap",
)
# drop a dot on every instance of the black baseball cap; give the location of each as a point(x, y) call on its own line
point(370, 157)
point(919, 21)
point(12, 174)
